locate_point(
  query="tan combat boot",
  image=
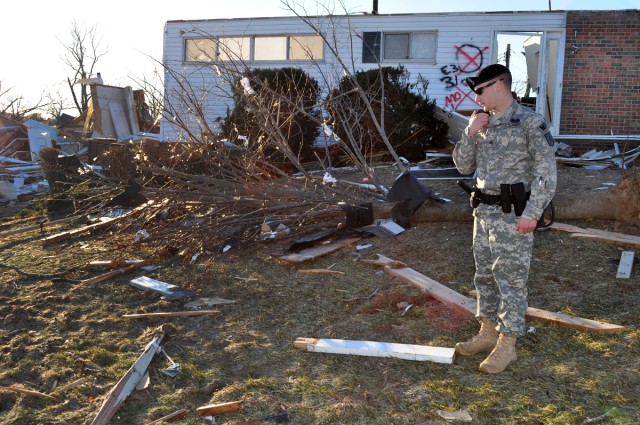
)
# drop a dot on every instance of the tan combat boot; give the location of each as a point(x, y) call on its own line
point(484, 341)
point(502, 355)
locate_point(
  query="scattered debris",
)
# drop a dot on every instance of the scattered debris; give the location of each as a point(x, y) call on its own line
point(170, 314)
point(377, 349)
point(118, 394)
point(321, 271)
point(619, 238)
point(313, 253)
point(217, 409)
point(30, 392)
point(115, 273)
point(459, 415)
point(467, 306)
point(168, 290)
point(178, 414)
point(626, 262)
point(208, 302)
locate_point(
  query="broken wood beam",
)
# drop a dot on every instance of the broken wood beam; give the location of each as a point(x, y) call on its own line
point(63, 236)
point(114, 264)
point(467, 306)
point(40, 226)
point(117, 395)
point(217, 409)
point(321, 271)
point(171, 314)
point(319, 251)
point(602, 235)
point(377, 349)
point(30, 392)
point(115, 273)
point(178, 414)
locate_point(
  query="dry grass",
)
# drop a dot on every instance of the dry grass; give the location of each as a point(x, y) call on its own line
point(56, 330)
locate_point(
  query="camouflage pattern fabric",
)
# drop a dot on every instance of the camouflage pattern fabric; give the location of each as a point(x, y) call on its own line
point(502, 259)
point(516, 146)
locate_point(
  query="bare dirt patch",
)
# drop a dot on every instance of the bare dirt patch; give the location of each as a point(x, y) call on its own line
point(56, 330)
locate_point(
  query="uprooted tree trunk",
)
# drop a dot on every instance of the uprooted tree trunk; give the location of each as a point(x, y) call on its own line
point(621, 203)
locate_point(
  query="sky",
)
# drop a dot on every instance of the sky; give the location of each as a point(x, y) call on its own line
point(33, 35)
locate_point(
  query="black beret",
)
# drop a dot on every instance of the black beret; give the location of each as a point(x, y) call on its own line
point(487, 73)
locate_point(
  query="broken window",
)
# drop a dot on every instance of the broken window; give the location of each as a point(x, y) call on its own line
point(418, 46)
point(371, 47)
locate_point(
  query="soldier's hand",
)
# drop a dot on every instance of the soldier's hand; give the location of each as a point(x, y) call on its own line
point(477, 121)
point(526, 225)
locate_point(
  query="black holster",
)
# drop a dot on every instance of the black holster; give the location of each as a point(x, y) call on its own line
point(505, 198)
point(519, 198)
point(476, 197)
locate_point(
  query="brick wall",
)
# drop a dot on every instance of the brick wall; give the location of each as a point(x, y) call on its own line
point(601, 88)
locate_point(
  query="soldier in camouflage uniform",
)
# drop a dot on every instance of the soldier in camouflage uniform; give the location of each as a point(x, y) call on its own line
point(507, 144)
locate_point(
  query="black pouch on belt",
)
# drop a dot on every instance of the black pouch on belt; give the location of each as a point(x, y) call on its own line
point(519, 198)
point(505, 197)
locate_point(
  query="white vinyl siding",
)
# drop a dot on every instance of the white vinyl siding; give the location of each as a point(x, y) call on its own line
point(465, 42)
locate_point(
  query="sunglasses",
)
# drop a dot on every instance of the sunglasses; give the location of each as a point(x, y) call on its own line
point(481, 89)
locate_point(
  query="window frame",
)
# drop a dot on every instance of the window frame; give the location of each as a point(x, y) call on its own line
point(252, 48)
point(410, 35)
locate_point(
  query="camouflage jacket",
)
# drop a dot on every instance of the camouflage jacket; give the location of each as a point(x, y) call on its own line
point(516, 146)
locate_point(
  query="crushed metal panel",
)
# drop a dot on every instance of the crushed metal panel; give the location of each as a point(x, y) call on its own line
point(457, 122)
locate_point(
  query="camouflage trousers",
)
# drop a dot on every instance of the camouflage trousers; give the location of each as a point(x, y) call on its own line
point(502, 258)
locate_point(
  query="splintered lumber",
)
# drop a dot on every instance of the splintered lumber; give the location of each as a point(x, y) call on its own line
point(30, 392)
point(467, 306)
point(319, 251)
point(602, 235)
point(114, 263)
point(321, 271)
point(37, 226)
point(626, 262)
point(178, 414)
point(377, 349)
point(63, 236)
point(170, 314)
point(127, 383)
point(115, 273)
point(217, 409)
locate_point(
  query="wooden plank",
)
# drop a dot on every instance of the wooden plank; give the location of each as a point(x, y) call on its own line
point(114, 273)
point(40, 226)
point(572, 322)
point(321, 271)
point(117, 395)
point(626, 262)
point(467, 306)
point(603, 235)
point(378, 349)
point(217, 409)
point(113, 263)
point(319, 251)
point(171, 314)
point(178, 414)
point(30, 392)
